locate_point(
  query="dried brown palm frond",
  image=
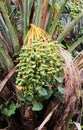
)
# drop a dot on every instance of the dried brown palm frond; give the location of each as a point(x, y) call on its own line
point(79, 64)
point(71, 76)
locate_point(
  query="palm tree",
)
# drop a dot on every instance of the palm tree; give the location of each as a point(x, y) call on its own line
point(45, 15)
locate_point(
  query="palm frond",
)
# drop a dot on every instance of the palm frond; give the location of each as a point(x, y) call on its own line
point(10, 27)
point(54, 24)
point(5, 34)
point(25, 16)
point(69, 27)
point(44, 14)
point(5, 60)
point(38, 12)
point(72, 47)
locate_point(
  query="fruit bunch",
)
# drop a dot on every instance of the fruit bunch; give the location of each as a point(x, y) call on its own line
point(76, 7)
point(40, 69)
